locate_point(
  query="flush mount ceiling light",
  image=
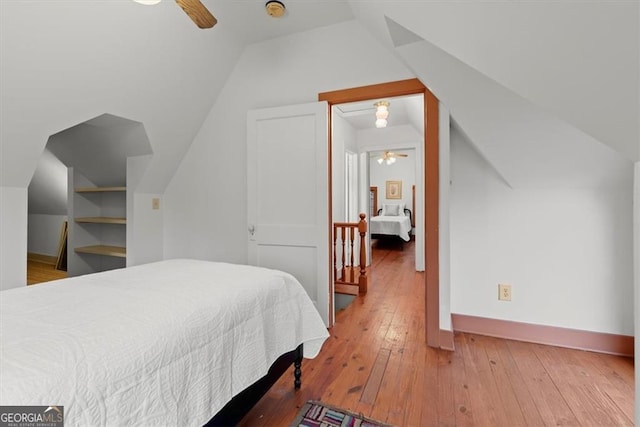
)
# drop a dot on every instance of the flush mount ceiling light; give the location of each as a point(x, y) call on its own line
point(147, 2)
point(382, 112)
point(275, 8)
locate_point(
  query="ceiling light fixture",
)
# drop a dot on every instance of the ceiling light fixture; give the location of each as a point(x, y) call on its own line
point(382, 112)
point(275, 8)
point(389, 157)
point(147, 2)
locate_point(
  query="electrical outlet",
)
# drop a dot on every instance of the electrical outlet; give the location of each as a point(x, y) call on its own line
point(155, 203)
point(504, 292)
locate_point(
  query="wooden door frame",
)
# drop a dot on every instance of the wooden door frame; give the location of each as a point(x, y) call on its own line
point(431, 184)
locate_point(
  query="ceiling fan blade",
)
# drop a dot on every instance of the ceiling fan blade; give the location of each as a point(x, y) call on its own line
point(198, 13)
point(391, 154)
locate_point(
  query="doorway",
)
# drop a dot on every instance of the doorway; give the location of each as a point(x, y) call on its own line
point(431, 181)
point(393, 213)
point(392, 162)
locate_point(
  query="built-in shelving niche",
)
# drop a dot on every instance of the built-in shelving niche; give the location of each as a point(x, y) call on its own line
point(98, 235)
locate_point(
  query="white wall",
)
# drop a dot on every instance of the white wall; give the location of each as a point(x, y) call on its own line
point(444, 217)
point(343, 139)
point(566, 252)
point(144, 224)
point(205, 203)
point(48, 186)
point(497, 234)
point(13, 237)
point(44, 233)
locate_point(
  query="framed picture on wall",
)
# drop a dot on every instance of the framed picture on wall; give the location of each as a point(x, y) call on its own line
point(394, 190)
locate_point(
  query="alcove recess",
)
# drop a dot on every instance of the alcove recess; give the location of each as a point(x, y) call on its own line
point(103, 159)
point(100, 218)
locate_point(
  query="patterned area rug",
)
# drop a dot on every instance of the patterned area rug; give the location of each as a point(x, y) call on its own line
point(318, 414)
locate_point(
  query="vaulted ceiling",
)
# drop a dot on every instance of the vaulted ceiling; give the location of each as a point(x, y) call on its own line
point(63, 63)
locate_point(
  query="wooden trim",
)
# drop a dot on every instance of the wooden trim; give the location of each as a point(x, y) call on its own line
point(374, 190)
point(622, 345)
point(342, 288)
point(61, 259)
point(431, 219)
point(382, 90)
point(431, 199)
point(45, 259)
point(446, 340)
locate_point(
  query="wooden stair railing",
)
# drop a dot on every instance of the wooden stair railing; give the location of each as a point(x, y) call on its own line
point(349, 278)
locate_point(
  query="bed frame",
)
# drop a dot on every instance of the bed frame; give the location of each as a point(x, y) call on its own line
point(406, 211)
point(233, 412)
point(388, 237)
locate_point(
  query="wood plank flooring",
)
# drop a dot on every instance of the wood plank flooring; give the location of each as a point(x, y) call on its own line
point(39, 272)
point(376, 363)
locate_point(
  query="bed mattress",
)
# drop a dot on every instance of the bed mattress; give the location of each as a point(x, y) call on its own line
point(392, 226)
point(166, 343)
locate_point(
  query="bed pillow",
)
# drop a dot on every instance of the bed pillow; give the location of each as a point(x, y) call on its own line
point(390, 210)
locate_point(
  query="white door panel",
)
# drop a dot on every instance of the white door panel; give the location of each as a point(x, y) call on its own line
point(287, 195)
point(299, 261)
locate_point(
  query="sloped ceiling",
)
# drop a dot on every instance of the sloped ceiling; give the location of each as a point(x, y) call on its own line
point(527, 146)
point(66, 62)
point(99, 148)
point(63, 63)
point(577, 60)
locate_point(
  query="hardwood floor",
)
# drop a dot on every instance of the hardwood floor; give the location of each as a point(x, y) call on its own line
point(376, 363)
point(39, 272)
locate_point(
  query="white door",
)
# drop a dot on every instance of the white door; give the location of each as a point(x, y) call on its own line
point(288, 223)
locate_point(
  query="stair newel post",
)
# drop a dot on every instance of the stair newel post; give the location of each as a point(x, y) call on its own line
point(362, 229)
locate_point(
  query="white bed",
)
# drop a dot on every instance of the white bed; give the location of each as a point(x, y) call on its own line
point(166, 343)
point(392, 220)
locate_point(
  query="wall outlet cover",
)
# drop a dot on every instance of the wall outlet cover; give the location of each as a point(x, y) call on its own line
point(504, 292)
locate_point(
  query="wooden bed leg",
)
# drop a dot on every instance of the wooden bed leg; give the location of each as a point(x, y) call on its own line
point(297, 372)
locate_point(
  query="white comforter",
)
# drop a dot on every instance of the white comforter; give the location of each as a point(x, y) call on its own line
point(392, 226)
point(166, 343)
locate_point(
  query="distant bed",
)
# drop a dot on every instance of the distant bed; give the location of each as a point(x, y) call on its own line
point(166, 343)
point(392, 220)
